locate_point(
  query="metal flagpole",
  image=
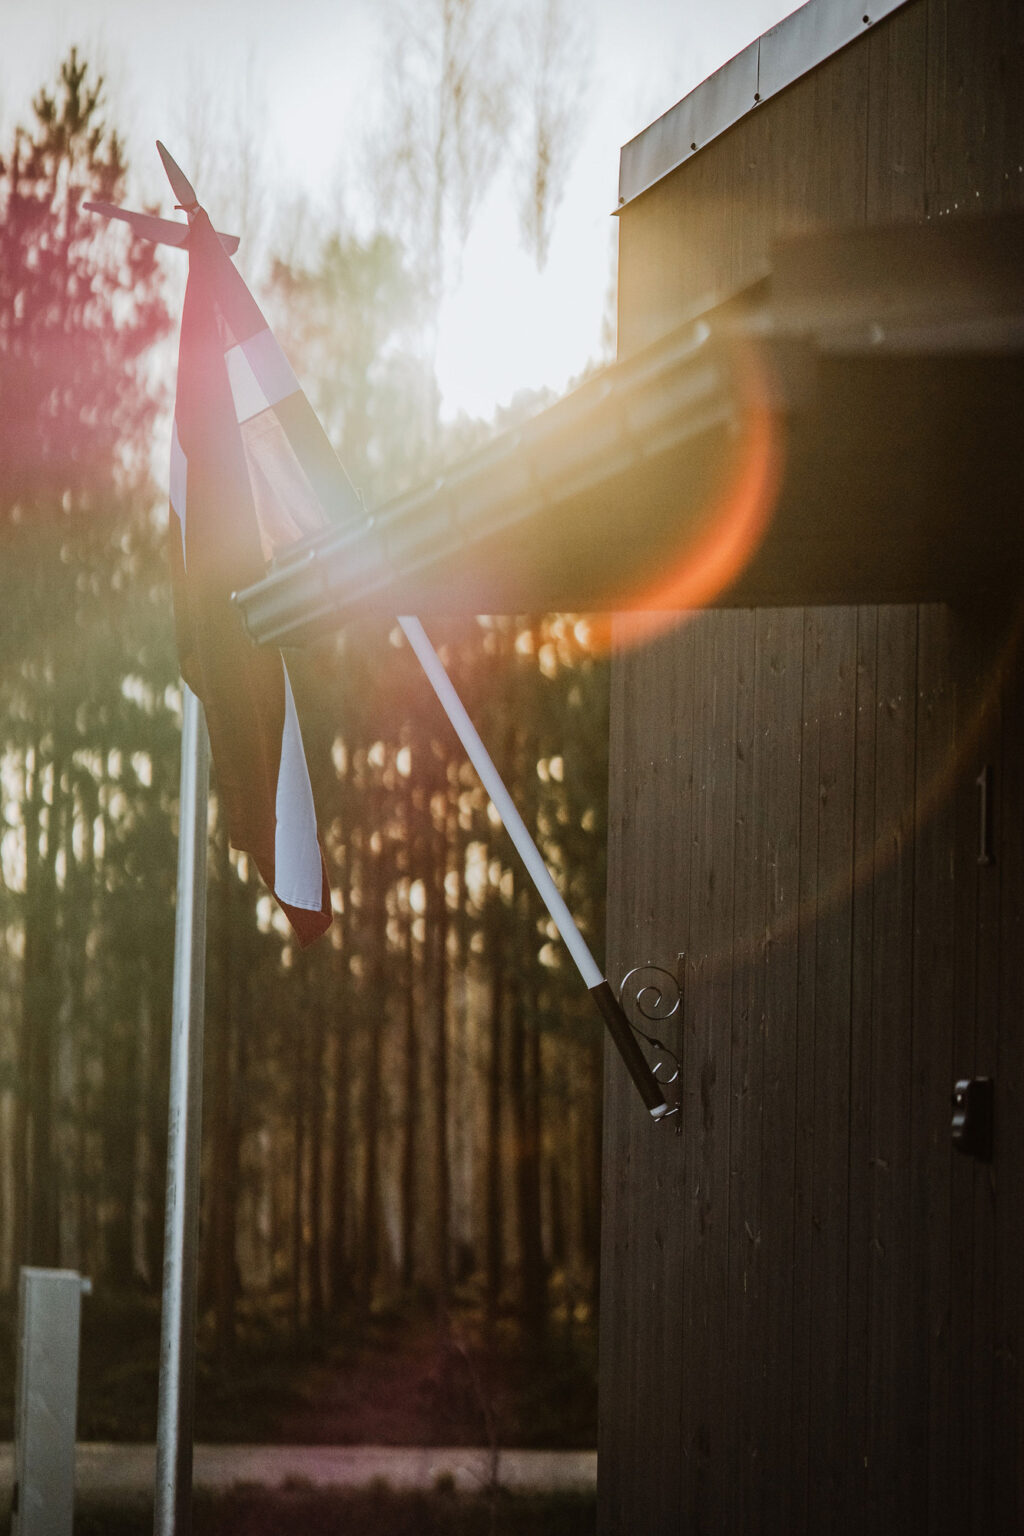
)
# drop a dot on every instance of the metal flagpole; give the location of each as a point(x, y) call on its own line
point(605, 999)
point(173, 1491)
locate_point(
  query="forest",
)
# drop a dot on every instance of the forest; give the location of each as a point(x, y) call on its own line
point(409, 1110)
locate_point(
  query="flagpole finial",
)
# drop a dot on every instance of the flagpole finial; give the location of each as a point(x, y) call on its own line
point(182, 188)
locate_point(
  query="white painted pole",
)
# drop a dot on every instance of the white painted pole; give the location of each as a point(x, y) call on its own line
point(175, 1407)
point(538, 871)
point(505, 806)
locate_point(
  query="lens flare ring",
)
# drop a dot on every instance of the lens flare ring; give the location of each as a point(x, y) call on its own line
point(733, 525)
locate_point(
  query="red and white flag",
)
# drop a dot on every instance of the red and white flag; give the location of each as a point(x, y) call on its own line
point(251, 472)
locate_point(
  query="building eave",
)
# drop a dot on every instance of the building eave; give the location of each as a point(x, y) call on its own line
point(891, 363)
point(760, 71)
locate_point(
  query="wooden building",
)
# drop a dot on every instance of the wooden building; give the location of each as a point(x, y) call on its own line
point(812, 1297)
point(812, 1304)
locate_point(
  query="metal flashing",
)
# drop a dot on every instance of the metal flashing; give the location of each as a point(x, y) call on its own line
point(468, 542)
point(894, 361)
point(784, 53)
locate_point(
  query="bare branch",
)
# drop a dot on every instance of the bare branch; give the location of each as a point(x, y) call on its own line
point(557, 66)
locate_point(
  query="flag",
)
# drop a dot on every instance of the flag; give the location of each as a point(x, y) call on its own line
point(251, 471)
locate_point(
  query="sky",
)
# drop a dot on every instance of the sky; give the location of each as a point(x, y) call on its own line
point(302, 80)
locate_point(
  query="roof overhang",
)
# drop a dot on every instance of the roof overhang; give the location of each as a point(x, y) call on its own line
point(567, 512)
point(765, 67)
point(892, 362)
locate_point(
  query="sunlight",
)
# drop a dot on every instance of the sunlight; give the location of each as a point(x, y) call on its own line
point(734, 524)
point(507, 327)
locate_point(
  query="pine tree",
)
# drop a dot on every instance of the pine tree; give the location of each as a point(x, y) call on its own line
point(83, 661)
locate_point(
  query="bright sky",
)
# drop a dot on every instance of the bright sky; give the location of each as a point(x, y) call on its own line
point(303, 76)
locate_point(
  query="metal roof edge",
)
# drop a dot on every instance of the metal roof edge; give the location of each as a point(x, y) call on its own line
point(671, 392)
point(784, 53)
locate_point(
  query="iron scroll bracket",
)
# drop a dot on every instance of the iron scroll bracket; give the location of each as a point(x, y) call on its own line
point(653, 994)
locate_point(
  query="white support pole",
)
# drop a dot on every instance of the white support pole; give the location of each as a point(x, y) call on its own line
point(635, 1061)
point(173, 1491)
point(505, 806)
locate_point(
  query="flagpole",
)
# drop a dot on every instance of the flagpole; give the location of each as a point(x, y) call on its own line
point(173, 1489)
point(604, 998)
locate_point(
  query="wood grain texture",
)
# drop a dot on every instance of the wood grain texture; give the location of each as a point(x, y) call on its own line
point(840, 1294)
point(781, 650)
point(921, 117)
point(811, 1305)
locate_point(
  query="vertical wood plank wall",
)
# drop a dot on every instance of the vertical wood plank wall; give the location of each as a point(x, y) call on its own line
point(921, 118)
point(811, 1304)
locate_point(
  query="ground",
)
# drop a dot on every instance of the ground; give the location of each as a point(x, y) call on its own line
point(391, 1378)
point(405, 1385)
point(377, 1512)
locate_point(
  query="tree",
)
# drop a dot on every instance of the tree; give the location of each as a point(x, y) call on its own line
point(447, 134)
point(364, 1098)
point(82, 663)
point(555, 68)
point(350, 315)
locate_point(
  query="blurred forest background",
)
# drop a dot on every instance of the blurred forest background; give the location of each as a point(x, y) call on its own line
point(407, 1115)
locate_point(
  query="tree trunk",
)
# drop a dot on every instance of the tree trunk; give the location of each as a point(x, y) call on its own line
point(300, 1117)
point(339, 1268)
point(439, 1010)
point(591, 1202)
point(223, 1279)
point(493, 1245)
point(38, 1224)
point(534, 1269)
point(338, 1264)
point(157, 1114)
point(375, 1015)
point(120, 1110)
point(316, 1155)
point(523, 1044)
point(410, 1116)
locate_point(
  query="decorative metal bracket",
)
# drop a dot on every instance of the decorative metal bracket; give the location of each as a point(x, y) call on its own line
point(655, 994)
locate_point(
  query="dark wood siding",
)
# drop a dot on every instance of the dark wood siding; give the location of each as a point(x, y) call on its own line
point(921, 118)
point(811, 1304)
point(812, 1309)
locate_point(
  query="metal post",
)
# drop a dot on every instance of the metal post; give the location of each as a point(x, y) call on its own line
point(46, 1401)
point(605, 1000)
point(173, 1492)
